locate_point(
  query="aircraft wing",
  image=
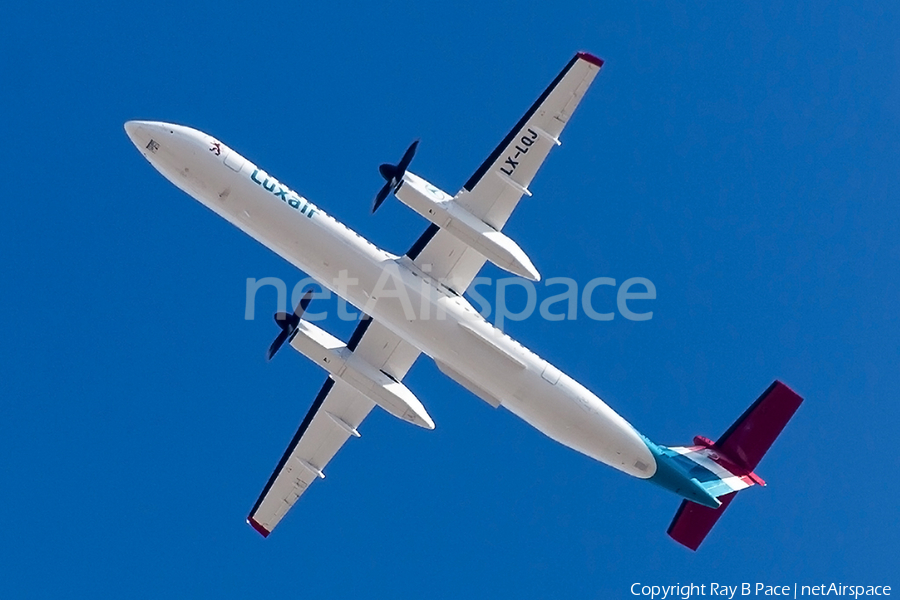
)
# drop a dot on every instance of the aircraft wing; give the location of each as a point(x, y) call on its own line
point(334, 416)
point(496, 187)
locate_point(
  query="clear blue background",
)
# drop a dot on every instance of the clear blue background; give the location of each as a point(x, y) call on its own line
point(744, 159)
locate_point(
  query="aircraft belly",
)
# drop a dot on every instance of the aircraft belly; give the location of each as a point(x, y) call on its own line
point(441, 325)
point(509, 373)
point(580, 420)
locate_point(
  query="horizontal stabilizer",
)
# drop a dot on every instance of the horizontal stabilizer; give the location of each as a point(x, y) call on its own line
point(732, 459)
point(692, 521)
point(753, 434)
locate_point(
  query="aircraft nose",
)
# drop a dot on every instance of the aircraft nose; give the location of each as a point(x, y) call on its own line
point(138, 132)
point(131, 127)
point(142, 133)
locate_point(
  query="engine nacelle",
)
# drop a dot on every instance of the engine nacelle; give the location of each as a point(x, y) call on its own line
point(333, 355)
point(439, 208)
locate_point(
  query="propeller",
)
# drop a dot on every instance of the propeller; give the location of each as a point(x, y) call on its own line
point(393, 175)
point(288, 324)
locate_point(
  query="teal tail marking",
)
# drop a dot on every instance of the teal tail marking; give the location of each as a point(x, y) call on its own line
point(686, 478)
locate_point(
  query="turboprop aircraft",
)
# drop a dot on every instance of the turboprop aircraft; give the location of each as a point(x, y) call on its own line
point(413, 304)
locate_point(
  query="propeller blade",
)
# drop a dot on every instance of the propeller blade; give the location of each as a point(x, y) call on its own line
point(304, 302)
point(407, 158)
point(277, 344)
point(381, 196)
point(289, 323)
point(393, 175)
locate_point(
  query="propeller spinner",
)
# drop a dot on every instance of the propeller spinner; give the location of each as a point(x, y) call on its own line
point(393, 175)
point(288, 324)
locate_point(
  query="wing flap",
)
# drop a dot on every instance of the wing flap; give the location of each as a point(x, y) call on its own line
point(448, 260)
point(394, 356)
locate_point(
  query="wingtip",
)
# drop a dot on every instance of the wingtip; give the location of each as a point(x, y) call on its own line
point(258, 527)
point(590, 58)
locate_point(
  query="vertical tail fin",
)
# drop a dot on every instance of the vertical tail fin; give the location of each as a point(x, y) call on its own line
point(732, 459)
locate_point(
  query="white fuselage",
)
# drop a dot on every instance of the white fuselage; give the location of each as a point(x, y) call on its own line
point(440, 323)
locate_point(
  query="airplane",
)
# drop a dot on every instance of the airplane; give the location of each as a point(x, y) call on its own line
point(413, 304)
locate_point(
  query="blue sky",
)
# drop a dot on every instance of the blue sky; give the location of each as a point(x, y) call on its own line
point(744, 159)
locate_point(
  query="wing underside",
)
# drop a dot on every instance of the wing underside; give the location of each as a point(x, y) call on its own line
point(495, 188)
point(335, 414)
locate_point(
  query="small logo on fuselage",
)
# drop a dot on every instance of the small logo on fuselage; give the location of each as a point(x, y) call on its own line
point(285, 194)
